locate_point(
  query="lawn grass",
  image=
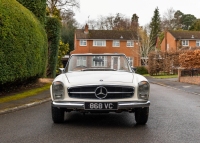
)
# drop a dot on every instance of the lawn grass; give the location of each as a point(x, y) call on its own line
point(162, 76)
point(25, 94)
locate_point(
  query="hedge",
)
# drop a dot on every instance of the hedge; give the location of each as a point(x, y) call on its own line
point(53, 27)
point(142, 70)
point(23, 43)
point(38, 7)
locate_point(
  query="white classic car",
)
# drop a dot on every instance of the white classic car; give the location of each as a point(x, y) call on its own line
point(100, 83)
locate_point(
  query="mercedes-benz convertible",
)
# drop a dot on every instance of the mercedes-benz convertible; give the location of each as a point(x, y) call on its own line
point(99, 83)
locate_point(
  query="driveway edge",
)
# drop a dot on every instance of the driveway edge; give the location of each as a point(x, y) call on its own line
point(12, 109)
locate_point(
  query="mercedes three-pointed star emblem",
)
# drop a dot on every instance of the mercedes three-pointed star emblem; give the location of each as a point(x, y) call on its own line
point(101, 92)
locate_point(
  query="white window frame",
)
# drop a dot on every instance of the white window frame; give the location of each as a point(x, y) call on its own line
point(99, 43)
point(116, 43)
point(83, 43)
point(130, 60)
point(99, 64)
point(130, 43)
point(81, 61)
point(198, 43)
point(185, 42)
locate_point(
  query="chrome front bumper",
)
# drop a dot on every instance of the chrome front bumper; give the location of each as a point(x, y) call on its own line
point(80, 105)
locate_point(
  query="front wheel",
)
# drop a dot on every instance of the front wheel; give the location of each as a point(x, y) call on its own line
point(141, 115)
point(57, 114)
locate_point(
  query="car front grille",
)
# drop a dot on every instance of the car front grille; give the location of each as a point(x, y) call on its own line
point(109, 92)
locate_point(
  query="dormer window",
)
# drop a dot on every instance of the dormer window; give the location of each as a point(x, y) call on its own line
point(185, 43)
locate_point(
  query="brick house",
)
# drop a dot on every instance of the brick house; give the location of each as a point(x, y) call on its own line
point(107, 41)
point(176, 40)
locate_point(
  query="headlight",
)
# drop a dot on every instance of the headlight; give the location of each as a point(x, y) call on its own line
point(143, 90)
point(58, 90)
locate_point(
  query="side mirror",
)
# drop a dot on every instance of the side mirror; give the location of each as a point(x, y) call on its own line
point(62, 70)
point(133, 69)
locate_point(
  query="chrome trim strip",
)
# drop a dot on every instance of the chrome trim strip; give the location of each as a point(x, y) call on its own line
point(109, 85)
point(94, 92)
point(124, 105)
point(121, 105)
point(118, 92)
point(82, 92)
point(70, 105)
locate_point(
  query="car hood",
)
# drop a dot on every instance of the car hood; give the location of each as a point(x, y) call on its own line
point(99, 76)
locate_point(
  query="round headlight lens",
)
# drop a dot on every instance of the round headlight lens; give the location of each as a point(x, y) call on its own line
point(143, 90)
point(58, 90)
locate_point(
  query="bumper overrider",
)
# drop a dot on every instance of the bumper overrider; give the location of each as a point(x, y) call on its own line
point(81, 105)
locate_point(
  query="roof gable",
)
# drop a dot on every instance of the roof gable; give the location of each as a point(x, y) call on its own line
point(106, 34)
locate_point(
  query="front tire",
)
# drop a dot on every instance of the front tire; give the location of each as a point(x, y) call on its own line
point(57, 114)
point(141, 115)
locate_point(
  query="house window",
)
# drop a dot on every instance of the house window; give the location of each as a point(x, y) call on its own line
point(129, 43)
point(83, 42)
point(99, 61)
point(185, 43)
point(198, 43)
point(101, 43)
point(116, 43)
point(81, 61)
point(130, 60)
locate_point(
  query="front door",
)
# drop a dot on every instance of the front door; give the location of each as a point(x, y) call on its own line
point(115, 63)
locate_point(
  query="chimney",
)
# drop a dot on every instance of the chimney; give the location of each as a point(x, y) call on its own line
point(86, 29)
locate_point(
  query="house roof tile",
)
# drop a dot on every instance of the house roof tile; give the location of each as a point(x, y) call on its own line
point(185, 34)
point(106, 34)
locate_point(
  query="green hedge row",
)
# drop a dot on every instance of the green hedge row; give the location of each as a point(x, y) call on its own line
point(38, 7)
point(23, 43)
point(53, 27)
point(142, 70)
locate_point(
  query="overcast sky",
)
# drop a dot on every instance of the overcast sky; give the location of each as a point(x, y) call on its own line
point(143, 8)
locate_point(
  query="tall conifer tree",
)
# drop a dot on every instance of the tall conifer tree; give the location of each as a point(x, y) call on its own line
point(155, 28)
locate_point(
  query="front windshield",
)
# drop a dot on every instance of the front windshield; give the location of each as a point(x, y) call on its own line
point(98, 63)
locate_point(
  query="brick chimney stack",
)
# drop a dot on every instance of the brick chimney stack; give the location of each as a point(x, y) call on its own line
point(86, 31)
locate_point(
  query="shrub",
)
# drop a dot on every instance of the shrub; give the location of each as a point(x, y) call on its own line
point(38, 7)
point(141, 70)
point(53, 27)
point(23, 43)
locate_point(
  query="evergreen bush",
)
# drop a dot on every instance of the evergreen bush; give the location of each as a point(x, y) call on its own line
point(23, 43)
point(53, 27)
point(141, 70)
point(38, 7)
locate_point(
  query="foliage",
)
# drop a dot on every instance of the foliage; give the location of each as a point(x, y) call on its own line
point(144, 48)
point(63, 49)
point(155, 28)
point(67, 34)
point(187, 20)
point(170, 20)
point(62, 8)
point(53, 27)
point(23, 43)
point(190, 59)
point(142, 70)
point(175, 20)
point(196, 25)
point(38, 7)
point(163, 63)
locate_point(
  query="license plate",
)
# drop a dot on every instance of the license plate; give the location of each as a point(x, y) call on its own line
point(101, 105)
